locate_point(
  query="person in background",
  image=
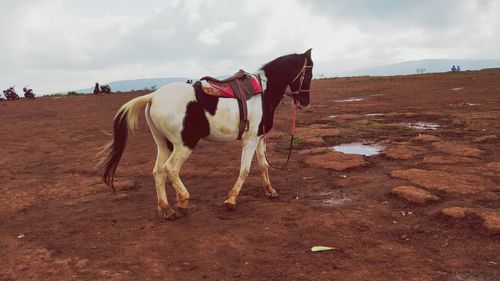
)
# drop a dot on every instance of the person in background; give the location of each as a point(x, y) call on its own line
point(453, 68)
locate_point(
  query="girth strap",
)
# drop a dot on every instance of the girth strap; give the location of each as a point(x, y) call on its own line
point(242, 90)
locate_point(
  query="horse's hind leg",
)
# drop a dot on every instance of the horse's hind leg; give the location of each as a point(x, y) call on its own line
point(160, 176)
point(264, 168)
point(247, 153)
point(173, 166)
point(159, 172)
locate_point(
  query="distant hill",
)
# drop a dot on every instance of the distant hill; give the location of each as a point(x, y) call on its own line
point(430, 65)
point(136, 84)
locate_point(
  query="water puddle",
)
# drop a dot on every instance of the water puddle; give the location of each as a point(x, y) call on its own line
point(349, 100)
point(457, 89)
point(374, 114)
point(424, 126)
point(332, 116)
point(376, 95)
point(358, 148)
point(472, 104)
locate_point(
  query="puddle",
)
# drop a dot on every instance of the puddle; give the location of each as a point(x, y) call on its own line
point(457, 89)
point(472, 104)
point(332, 116)
point(376, 95)
point(349, 100)
point(358, 148)
point(375, 114)
point(424, 126)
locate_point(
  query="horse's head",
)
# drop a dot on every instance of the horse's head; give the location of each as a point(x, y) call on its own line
point(301, 83)
point(294, 71)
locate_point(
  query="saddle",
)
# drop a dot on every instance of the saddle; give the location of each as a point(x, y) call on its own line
point(238, 75)
point(241, 86)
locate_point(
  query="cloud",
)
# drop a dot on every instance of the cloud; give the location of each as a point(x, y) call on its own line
point(208, 36)
point(56, 45)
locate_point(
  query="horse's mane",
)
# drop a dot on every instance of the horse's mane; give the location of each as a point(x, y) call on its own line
point(270, 65)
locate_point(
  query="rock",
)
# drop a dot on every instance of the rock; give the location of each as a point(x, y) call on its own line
point(447, 159)
point(457, 212)
point(403, 152)
point(426, 138)
point(457, 149)
point(491, 221)
point(336, 161)
point(485, 139)
point(453, 184)
point(414, 194)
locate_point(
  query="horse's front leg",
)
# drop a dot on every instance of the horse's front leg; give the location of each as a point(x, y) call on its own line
point(264, 168)
point(249, 146)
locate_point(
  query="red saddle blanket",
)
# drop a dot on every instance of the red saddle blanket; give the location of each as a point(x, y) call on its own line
point(225, 90)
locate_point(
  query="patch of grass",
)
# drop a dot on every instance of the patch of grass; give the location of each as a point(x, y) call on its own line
point(297, 140)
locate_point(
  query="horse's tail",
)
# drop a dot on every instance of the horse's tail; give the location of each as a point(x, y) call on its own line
point(125, 120)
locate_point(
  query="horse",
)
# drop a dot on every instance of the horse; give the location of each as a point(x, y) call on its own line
point(178, 118)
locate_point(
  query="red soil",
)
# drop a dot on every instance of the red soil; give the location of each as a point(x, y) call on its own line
point(59, 222)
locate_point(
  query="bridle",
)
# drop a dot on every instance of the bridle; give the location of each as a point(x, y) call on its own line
point(293, 94)
point(301, 75)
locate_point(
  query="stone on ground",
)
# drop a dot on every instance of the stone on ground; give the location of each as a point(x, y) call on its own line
point(336, 161)
point(457, 149)
point(403, 151)
point(414, 194)
point(453, 184)
point(491, 221)
point(457, 212)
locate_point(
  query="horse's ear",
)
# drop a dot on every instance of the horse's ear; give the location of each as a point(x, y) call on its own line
point(308, 53)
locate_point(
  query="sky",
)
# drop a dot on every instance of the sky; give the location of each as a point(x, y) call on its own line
point(60, 45)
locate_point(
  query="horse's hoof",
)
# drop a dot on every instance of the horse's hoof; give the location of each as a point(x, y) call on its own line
point(230, 206)
point(171, 216)
point(183, 211)
point(273, 195)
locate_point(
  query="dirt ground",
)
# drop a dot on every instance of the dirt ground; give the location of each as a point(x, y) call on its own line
point(426, 208)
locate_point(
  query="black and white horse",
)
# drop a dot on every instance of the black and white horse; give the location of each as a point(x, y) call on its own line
point(178, 120)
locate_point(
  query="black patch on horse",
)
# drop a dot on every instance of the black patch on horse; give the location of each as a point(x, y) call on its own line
point(209, 103)
point(195, 124)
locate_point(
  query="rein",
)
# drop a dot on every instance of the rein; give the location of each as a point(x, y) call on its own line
point(300, 75)
point(292, 133)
